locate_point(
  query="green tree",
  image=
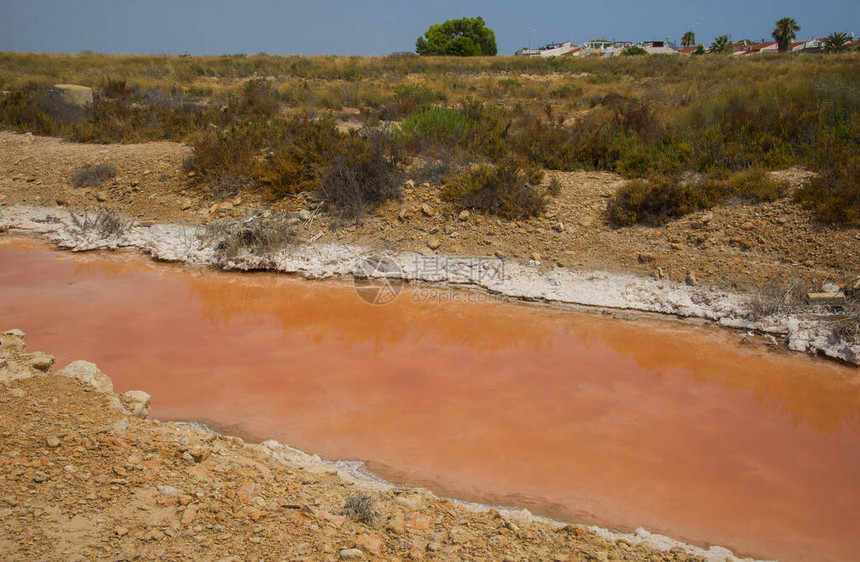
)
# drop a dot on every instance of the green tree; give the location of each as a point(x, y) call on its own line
point(463, 37)
point(836, 42)
point(689, 39)
point(722, 45)
point(633, 51)
point(785, 31)
point(700, 50)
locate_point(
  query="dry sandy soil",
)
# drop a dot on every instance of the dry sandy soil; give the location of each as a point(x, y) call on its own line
point(740, 245)
point(82, 480)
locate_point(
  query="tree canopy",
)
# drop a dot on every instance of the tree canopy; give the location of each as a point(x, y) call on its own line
point(784, 32)
point(463, 37)
point(836, 42)
point(722, 45)
point(689, 39)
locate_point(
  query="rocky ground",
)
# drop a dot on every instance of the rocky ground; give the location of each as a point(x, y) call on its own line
point(86, 477)
point(739, 245)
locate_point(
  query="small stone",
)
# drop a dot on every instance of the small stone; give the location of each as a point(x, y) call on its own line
point(351, 554)
point(690, 279)
point(15, 332)
point(88, 373)
point(120, 471)
point(369, 543)
point(434, 243)
point(646, 258)
point(511, 526)
point(102, 196)
point(120, 426)
point(464, 215)
point(185, 204)
point(427, 209)
point(535, 256)
point(41, 361)
point(558, 226)
point(136, 402)
point(403, 215)
point(395, 525)
point(189, 515)
point(305, 215)
point(409, 184)
point(53, 441)
point(433, 546)
point(40, 477)
point(5, 512)
point(121, 531)
point(169, 491)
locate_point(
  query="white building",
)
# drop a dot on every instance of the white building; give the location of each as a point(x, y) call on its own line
point(549, 50)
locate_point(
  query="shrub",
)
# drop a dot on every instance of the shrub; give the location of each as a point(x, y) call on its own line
point(259, 235)
point(107, 222)
point(116, 88)
point(229, 152)
point(360, 507)
point(299, 155)
point(507, 189)
point(834, 193)
point(566, 91)
point(436, 125)
point(258, 98)
point(665, 197)
point(757, 185)
point(93, 175)
point(368, 173)
point(661, 198)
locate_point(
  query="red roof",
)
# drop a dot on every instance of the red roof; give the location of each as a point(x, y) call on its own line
point(855, 43)
point(761, 46)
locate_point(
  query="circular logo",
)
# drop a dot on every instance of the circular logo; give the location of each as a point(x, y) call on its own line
point(378, 280)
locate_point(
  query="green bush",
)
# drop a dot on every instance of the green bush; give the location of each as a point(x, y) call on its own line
point(834, 193)
point(436, 125)
point(507, 189)
point(664, 197)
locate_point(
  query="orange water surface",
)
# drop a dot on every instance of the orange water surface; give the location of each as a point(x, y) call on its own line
point(679, 429)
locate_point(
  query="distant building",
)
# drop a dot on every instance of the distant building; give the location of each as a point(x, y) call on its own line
point(548, 50)
point(658, 48)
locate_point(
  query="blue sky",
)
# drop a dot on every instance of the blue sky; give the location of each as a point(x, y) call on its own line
point(378, 27)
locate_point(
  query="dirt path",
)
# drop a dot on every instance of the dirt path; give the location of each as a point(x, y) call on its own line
point(739, 245)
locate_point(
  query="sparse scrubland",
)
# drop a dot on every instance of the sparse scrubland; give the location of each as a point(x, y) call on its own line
point(689, 133)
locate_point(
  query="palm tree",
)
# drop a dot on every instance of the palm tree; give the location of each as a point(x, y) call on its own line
point(784, 32)
point(689, 39)
point(721, 45)
point(836, 42)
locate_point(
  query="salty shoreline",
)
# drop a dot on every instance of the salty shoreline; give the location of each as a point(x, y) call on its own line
point(561, 286)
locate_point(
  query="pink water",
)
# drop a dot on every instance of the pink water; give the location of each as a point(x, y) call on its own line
point(679, 429)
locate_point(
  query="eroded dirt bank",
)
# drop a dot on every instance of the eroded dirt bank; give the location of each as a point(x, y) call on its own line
point(86, 477)
point(730, 256)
